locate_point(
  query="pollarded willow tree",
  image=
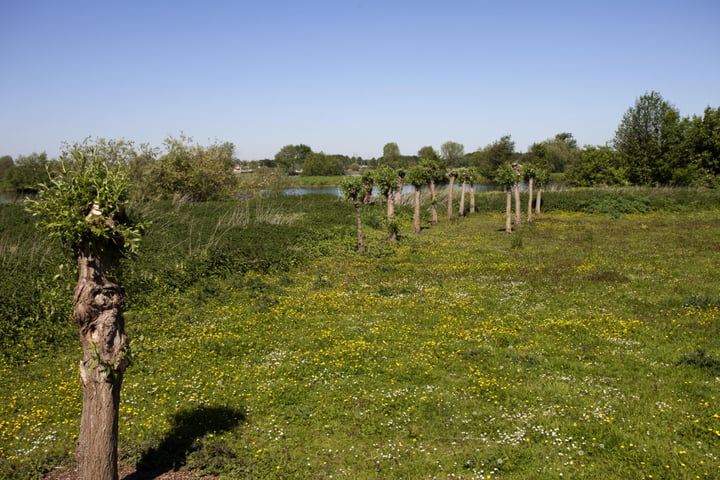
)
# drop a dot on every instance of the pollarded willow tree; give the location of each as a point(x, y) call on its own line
point(417, 176)
point(387, 179)
point(452, 176)
point(430, 160)
point(463, 176)
point(84, 207)
point(542, 177)
point(506, 176)
point(517, 168)
point(473, 178)
point(529, 176)
point(353, 189)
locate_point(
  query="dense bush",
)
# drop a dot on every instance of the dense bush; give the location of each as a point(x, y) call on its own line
point(621, 201)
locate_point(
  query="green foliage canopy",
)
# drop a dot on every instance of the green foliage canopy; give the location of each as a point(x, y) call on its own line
point(642, 138)
point(84, 203)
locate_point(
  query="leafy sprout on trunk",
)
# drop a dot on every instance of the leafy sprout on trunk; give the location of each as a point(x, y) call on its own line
point(83, 202)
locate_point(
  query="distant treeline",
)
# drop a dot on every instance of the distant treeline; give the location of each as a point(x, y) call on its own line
point(653, 146)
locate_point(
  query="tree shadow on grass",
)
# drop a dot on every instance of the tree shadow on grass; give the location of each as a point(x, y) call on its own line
point(188, 425)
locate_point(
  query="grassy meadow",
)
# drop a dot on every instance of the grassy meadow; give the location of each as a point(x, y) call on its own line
point(583, 346)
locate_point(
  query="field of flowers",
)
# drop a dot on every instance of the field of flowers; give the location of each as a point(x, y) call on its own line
point(582, 346)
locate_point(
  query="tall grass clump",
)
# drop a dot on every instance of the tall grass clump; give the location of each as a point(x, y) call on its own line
point(36, 287)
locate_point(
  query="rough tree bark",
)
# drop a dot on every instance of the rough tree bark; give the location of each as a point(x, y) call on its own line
point(508, 210)
point(518, 213)
point(451, 186)
point(530, 199)
point(461, 208)
point(433, 204)
point(472, 197)
point(416, 211)
point(98, 304)
point(538, 201)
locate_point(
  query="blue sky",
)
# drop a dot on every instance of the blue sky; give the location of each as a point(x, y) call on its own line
point(345, 76)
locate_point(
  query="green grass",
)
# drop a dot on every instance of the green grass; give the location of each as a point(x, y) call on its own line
point(582, 346)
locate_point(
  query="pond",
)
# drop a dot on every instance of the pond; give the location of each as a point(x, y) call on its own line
point(12, 197)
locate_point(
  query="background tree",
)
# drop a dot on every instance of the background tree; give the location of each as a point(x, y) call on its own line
point(417, 176)
point(391, 155)
point(386, 180)
point(642, 138)
point(192, 173)
point(555, 154)
point(492, 156)
point(84, 207)
point(696, 157)
point(353, 189)
point(597, 166)
point(452, 153)
point(291, 158)
point(317, 164)
point(6, 162)
point(506, 177)
point(28, 172)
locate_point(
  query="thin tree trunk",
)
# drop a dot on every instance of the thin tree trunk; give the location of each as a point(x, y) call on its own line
point(416, 213)
point(472, 198)
point(518, 214)
point(399, 188)
point(461, 209)
point(538, 200)
point(433, 203)
point(530, 199)
point(392, 228)
point(361, 237)
point(450, 197)
point(98, 303)
point(508, 211)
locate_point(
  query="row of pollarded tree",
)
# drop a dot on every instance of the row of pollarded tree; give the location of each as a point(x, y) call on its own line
point(429, 172)
point(509, 176)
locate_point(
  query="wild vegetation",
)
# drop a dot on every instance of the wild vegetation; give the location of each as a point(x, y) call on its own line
point(264, 346)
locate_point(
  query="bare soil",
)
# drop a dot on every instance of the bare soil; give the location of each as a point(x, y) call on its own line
point(129, 473)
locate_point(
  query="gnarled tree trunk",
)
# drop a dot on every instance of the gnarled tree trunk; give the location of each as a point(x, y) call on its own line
point(98, 303)
point(461, 208)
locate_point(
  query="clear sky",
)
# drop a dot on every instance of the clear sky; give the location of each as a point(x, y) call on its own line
point(345, 76)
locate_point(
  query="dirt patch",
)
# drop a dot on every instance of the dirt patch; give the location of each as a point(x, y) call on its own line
point(129, 473)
